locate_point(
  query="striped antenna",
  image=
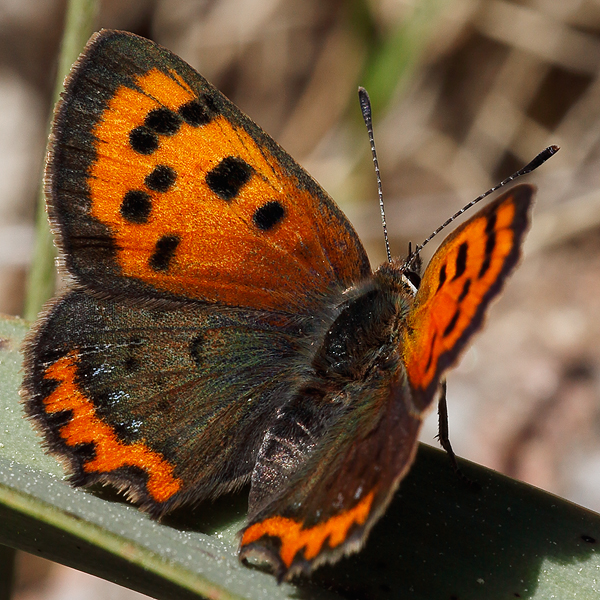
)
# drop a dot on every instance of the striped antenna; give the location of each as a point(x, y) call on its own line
point(365, 107)
point(540, 159)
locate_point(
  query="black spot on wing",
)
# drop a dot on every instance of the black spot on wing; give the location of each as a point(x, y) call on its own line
point(196, 346)
point(490, 244)
point(229, 177)
point(490, 226)
point(136, 206)
point(442, 278)
point(431, 348)
point(163, 121)
point(268, 215)
point(164, 252)
point(131, 365)
point(131, 362)
point(161, 179)
point(465, 290)
point(461, 260)
point(450, 327)
point(142, 140)
point(196, 113)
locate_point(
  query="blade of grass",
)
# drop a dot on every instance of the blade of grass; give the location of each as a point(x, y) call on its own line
point(437, 539)
point(79, 26)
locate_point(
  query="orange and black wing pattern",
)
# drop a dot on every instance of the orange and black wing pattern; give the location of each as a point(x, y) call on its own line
point(312, 503)
point(159, 187)
point(169, 405)
point(464, 275)
point(222, 324)
point(202, 261)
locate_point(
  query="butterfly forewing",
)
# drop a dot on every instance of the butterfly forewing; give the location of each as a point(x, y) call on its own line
point(464, 275)
point(159, 185)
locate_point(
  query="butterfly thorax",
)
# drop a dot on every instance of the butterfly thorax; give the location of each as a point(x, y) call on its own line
point(366, 332)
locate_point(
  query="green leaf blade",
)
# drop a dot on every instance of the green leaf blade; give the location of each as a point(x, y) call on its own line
point(438, 538)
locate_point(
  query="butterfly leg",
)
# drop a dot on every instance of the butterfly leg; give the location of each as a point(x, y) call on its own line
point(444, 438)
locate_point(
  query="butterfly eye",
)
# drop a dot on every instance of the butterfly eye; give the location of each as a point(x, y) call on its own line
point(413, 266)
point(414, 278)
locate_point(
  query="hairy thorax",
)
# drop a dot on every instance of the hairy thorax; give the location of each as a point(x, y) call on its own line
point(367, 332)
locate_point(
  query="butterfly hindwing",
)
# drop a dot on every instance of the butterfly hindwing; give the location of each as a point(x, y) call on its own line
point(167, 403)
point(158, 184)
point(464, 275)
point(315, 494)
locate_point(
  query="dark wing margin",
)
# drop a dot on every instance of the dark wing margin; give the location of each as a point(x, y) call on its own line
point(168, 405)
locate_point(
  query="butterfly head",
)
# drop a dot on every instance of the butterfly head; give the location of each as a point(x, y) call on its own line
point(412, 268)
point(402, 275)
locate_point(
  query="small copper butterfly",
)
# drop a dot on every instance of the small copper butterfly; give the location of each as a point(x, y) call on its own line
point(222, 324)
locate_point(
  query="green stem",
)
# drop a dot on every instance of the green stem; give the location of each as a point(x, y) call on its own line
point(79, 25)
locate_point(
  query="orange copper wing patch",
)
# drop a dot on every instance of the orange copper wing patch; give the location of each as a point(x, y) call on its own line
point(466, 272)
point(190, 198)
point(294, 537)
point(86, 427)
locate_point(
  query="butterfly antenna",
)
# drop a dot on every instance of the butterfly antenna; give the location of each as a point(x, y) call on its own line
point(365, 107)
point(540, 159)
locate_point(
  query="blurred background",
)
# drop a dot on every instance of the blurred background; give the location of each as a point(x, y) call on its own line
point(464, 92)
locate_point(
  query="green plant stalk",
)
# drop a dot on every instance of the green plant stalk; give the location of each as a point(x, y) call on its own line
point(438, 539)
point(79, 25)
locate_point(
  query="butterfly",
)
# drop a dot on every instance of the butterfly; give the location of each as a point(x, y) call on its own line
point(222, 324)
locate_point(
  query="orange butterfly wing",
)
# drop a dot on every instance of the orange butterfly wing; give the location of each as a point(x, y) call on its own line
point(464, 275)
point(168, 190)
